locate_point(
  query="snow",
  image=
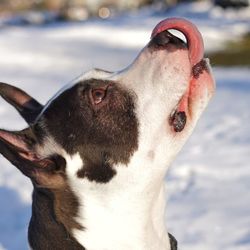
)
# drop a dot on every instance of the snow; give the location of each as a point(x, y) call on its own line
point(208, 184)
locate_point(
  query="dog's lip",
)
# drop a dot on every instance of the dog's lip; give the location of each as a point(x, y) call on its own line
point(201, 87)
point(194, 39)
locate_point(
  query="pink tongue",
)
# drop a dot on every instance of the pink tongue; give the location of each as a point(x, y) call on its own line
point(193, 36)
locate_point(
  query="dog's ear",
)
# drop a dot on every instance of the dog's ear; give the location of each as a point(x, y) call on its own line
point(27, 106)
point(20, 148)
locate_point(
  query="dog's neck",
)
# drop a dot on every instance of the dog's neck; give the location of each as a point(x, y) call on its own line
point(125, 213)
point(123, 221)
point(119, 221)
point(121, 214)
point(130, 226)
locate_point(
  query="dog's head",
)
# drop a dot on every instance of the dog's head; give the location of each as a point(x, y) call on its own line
point(134, 121)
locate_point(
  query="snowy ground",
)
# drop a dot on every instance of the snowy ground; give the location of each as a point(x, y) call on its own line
point(209, 183)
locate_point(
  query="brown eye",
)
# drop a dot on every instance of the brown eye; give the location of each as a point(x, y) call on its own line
point(98, 95)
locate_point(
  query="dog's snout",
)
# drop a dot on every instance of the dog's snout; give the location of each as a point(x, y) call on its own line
point(165, 37)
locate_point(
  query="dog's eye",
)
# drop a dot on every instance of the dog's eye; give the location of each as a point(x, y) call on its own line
point(98, 95)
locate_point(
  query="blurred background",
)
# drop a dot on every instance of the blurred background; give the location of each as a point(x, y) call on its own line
point(44, 12)
point(44, 44)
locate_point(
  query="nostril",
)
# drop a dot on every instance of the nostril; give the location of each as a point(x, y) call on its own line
point(165, 37)
point(194, 39)
point(162, 38)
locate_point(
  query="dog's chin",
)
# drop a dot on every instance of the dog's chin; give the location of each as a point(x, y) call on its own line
point(184, 59)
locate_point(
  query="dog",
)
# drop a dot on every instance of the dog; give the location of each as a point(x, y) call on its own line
point(98, 151)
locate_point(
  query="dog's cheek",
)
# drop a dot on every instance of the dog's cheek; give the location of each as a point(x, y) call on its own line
point(119, 123)
point(114, 139)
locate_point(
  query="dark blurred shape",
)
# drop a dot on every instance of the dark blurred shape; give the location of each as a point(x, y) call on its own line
point(56, 5)
point(232, 3)
point(65, 9)
point(29, 18)
point(235, 53)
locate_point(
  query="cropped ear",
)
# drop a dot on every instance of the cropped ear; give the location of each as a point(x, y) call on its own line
point(27, 106)
point(20, 149)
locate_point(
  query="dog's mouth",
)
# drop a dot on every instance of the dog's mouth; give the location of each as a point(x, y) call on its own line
point(200, 77)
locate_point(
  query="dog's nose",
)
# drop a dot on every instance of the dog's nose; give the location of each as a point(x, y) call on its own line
point(165, 37)
point(194, 39)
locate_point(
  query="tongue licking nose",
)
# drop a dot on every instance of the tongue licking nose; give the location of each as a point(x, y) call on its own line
point(193, 36)
point(200, 77)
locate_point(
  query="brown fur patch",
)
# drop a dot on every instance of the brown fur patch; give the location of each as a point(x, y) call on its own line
point(52, 221)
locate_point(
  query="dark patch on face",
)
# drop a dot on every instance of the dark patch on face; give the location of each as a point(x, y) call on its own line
point(166, 41)
point(104, 134)
point(199, 68)
point(101, 172)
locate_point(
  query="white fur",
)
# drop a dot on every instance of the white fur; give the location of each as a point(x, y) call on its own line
point(126, 213)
